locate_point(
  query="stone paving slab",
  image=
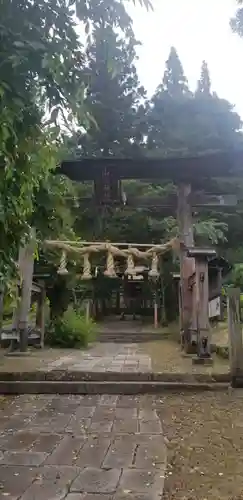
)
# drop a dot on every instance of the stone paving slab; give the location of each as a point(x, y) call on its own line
point(81, 448)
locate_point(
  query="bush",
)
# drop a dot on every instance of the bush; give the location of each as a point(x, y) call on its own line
point(72, 330)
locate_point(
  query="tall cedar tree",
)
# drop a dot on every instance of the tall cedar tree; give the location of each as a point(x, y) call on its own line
point(115, 96)
point(167, 116)
point(183, 123)
point(174, 81)
point(204, 83)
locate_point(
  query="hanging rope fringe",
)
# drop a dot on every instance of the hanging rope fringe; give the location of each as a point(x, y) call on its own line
point(86, 268)
point(63, 264)
point(110, 266)
point(129, 254)
point(154, 272)
point(130, 270)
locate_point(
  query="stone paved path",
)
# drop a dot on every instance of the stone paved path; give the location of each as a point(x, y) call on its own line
point(106, 357)
point(81, 447)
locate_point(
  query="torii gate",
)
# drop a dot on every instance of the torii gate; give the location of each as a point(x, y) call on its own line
point(190, 174)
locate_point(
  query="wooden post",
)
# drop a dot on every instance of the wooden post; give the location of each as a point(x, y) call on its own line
point(155, 314)
point(87, 310)
point(220, 284)
point(40, 314)
point(235, 336)
point(26, 267)
point(187, 265)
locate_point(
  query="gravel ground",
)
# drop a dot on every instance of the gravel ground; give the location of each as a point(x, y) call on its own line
point(204, 435)
point(166, 357)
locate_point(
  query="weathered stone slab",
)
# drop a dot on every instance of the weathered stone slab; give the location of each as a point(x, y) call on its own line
point(78, 426)
point(51, 483)
point(101, 426)
point(65, 404)
point(20, 441)
point(125, 426)
point(150, 427)
point(14, 481)
point(142, 481)
point(87, 496)
point(108, 399)
point(126, 495)
point(92, 480)
point(151, 455)
point(125, 413)
point(104, 413)
point(91, 400)
point(55, 424)
point(93, 452)
point(23, 458)
point(120, 454)
point(15, 423)
point(77, 496)
point(46, 442)
point(66, 453)
point(84, 411)
point(128, 402)
point(147, 414)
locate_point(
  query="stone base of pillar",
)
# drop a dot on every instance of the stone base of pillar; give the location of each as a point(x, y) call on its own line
point(202, 361)
point(190, 342)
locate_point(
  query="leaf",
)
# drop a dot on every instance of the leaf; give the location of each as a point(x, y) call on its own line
point(19, 45)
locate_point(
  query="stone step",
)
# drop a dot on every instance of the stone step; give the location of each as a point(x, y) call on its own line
point(127, 338)
point(127, 388)
point(62, 375)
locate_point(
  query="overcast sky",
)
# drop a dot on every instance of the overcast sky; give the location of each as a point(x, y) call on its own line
point(199, 29)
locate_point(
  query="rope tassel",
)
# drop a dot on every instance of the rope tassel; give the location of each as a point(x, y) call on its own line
point(110, 266)
point(130, 270)
point(154, 273)
point(86, 268)
point(62, 270)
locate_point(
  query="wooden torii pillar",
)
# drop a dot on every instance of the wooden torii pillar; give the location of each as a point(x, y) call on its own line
point(200, 300)
point(188, 312)
point(187, 268)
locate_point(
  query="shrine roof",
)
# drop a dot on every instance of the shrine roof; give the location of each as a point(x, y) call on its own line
point(219, 164)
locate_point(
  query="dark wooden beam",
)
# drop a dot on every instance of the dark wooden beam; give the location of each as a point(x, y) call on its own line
point(196, 199)
point(220, 164)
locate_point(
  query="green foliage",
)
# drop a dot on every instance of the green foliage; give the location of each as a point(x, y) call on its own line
point(236, 277)
point(237, 21)
point(72, 330)
point(111, 12)
point(41, 68)
point(210, 230)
